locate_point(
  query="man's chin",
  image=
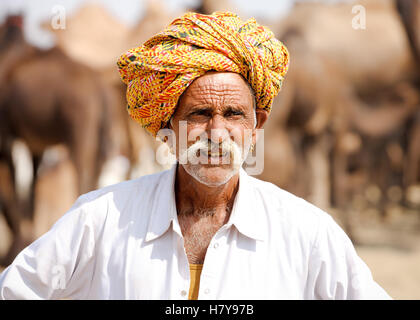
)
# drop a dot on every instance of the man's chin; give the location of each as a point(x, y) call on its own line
point(210, 174)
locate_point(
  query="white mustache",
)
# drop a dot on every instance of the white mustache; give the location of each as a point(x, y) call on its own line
point(228, 146)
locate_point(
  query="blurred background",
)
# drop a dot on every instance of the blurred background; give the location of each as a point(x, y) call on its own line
point(344, 132)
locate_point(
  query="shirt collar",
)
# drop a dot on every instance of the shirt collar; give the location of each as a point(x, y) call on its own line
point(244, 214)
point(163, 206)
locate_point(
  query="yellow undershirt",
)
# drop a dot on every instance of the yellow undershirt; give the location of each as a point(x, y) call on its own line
point(195, 272)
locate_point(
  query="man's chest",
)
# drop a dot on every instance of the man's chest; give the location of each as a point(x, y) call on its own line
point(197, 236)
point(235, 267)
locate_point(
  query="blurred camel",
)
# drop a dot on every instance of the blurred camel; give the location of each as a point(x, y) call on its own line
point(343, 85)
point(47, 99)
point(100, 46)
point(409, 11)
point(9, 204)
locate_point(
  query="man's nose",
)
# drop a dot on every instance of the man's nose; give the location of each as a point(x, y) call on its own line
point(217, 127)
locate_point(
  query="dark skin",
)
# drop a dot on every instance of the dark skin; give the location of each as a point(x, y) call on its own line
point(220, 104)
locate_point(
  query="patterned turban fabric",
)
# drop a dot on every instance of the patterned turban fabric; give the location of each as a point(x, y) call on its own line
point(160, 70)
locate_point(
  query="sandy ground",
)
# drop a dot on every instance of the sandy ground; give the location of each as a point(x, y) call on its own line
point(393, 255)
point(390, 246)
point(397, 271)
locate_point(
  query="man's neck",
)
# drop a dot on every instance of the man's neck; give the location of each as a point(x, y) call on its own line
point(195, 198)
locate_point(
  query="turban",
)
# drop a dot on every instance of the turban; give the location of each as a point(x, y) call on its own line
point(160, 70)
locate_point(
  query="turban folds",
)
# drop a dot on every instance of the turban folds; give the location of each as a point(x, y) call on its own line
point(160, 70)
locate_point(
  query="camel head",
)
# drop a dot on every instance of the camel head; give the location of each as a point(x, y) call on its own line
point(11, 31)
point(12, 47)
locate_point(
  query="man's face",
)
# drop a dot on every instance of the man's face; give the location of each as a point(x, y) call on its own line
point(218, 114)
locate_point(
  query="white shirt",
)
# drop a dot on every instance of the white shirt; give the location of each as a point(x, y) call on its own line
point(124, 242)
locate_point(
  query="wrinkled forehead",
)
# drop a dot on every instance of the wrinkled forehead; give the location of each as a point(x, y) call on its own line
point(217, 87)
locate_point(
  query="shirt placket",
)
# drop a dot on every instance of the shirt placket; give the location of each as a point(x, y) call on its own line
point(182, 277)
point(209, 283)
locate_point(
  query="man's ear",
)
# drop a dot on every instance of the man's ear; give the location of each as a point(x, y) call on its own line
point(262, 116)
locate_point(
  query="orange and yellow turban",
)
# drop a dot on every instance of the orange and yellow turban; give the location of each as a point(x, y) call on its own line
point(158, 72)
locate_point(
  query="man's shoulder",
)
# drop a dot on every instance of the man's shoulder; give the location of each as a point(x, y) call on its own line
point(288, 204)
point(290, 214)
point(119, 195)
point(127, 187)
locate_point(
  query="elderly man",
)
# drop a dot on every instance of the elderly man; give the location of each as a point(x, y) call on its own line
point(203, 229)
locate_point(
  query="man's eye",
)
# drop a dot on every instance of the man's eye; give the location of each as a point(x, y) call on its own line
point(231, 113)
point(195, 113)
point(199, 115)
point(202, 112)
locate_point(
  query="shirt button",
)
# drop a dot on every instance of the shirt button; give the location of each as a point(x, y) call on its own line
point(207, 291)
point(215, 245)
point(183, 293)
